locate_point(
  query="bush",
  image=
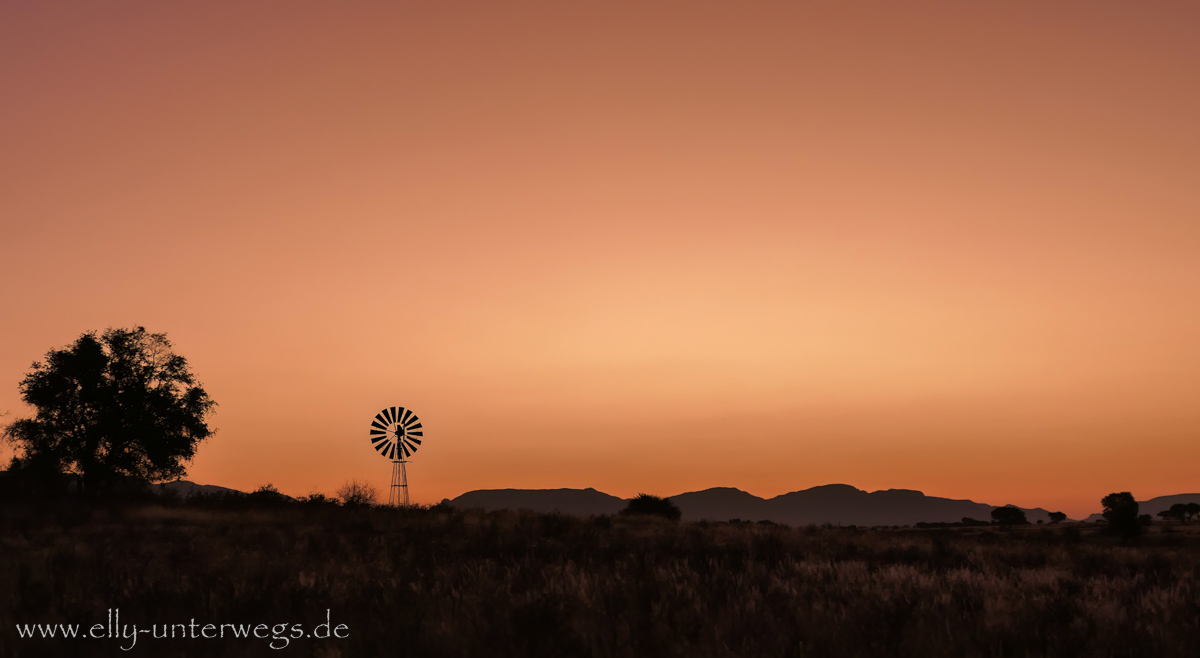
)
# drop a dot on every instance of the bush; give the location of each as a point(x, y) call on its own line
point(267, 494)
point(358, 494)
point(317, 498)
point(653, 506)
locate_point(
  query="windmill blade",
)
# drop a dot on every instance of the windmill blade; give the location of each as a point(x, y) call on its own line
point(395, 433)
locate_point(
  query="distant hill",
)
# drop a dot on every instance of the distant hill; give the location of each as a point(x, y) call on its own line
point(184, 488)
point(1156, 505)
point(12, 482)
point(839, 504)
point(568, 501)
point(722, 504)
point(834, 503)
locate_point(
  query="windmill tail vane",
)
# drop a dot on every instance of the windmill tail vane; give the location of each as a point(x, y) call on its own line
point(396, 433)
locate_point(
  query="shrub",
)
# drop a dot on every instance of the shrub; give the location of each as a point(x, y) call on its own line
point(653, 506)
point(317, 498)
point(358, 494)
point(267, 495)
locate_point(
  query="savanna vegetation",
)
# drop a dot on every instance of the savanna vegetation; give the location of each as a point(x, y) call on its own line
point(79, 536)
point(444, 582)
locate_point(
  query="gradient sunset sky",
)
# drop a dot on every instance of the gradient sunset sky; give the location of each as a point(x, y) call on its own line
point(636, 246)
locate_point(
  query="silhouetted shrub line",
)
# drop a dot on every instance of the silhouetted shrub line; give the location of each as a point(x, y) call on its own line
point(648, 505)
point(456, 582)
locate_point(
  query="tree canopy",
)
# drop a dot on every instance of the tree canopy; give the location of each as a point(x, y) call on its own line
point(1121, 512)
point(1181, 511)
point(109, 407)
point(1009, 515)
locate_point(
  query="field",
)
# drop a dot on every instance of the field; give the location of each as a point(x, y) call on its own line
point(441, 582)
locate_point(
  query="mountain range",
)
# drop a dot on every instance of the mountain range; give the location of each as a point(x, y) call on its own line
point(839, 504)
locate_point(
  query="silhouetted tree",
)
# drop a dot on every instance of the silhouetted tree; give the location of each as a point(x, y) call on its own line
point(1121, 512)
point(1009, 516)
point(110, 408)
point(1178, 512)
point(1192, 510)
point(653, 505)
point(355, 493)
point(1057, 517)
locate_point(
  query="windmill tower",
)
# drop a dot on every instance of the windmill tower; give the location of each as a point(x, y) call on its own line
point(396, 433)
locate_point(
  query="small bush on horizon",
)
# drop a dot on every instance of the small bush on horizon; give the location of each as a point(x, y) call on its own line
point(358, 494)
point(267, 495)
point(653, 506)
point(317, 498)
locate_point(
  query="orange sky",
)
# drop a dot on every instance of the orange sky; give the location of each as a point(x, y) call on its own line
point(638, 246)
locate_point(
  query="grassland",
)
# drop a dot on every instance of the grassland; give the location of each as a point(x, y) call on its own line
point(441, 582)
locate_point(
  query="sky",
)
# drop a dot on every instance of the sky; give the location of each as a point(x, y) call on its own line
point(637, 246)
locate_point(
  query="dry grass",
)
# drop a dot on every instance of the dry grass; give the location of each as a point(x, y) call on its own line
point(447, 583)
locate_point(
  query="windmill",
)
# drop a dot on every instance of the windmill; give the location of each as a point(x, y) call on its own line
point(396, 433)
